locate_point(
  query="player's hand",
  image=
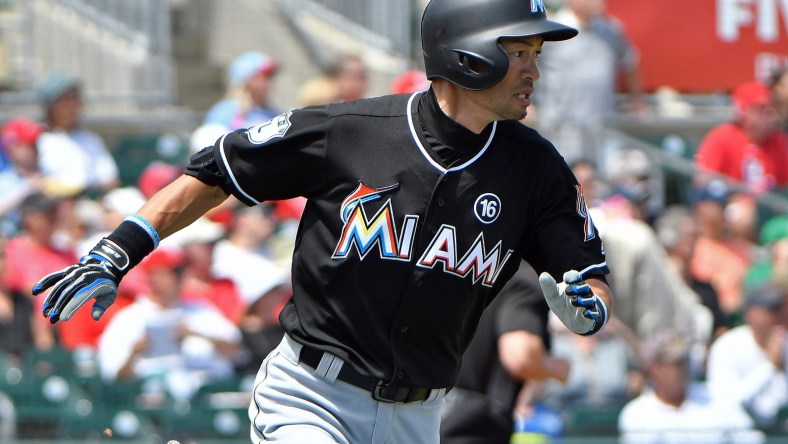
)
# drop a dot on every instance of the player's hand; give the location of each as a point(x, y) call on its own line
point(574, 303)
point(96, 276)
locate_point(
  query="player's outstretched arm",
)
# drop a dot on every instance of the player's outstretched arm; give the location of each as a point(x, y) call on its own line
point(179, 204)
point(584, 307)
point(97, 274)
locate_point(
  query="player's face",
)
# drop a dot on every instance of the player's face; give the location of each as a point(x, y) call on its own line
point(510, 98)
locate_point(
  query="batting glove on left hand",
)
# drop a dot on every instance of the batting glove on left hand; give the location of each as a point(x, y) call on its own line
point(574, 303)
point(96, 276)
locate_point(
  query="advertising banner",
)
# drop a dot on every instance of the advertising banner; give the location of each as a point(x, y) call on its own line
point(705, 46)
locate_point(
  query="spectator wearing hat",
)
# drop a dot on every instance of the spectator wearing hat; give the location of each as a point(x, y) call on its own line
point(246, 104)
point(674, 408)
point(751, 149)
point(18, 140)
point(162, 336)
point(716, 258)
point(74, 158)
point(32, 252)
point(747, 364)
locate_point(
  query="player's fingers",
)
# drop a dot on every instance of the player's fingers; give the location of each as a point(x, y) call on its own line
point(584, 302)
point(549, 287)
point(573, 277)
point(89, 289)
point(50, 280)
point(65, 297)
point(578, 290)
point(598, 315)
point(56, 293)
point(104, 299)
point(593, 315)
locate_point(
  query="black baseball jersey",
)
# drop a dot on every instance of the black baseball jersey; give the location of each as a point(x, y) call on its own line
point(397, 255)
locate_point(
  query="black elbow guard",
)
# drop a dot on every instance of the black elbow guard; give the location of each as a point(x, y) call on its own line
point(202, 166)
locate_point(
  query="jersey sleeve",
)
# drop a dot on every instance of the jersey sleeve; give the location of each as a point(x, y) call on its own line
point(564, 236)
point(280, 159)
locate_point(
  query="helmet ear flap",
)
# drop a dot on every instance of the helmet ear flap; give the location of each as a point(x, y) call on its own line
point(472, 64)
point(479, 71)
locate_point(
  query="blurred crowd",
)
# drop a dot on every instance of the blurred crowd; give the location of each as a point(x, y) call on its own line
point(699, 341)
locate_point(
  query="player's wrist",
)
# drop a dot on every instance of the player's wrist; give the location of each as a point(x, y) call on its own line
point(127, 245)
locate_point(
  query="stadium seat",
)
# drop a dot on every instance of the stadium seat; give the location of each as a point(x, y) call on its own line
point(217, 411)
point(40, 401)
point(115, 422)
point(593, 420)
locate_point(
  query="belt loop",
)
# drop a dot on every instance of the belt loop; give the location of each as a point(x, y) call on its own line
point(293, 348)
point(435, 394)
point(329, 367)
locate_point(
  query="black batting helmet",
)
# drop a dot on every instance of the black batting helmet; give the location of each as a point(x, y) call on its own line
point(454, 32)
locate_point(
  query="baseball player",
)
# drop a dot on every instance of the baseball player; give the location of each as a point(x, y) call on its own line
point(419, 208)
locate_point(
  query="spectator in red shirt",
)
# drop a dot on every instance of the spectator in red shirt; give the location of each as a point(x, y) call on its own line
point(32, 253)
point(750, 149)
point(200, 283)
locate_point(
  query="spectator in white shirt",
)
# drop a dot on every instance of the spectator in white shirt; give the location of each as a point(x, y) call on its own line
point(160, 336)
point(74, 158)
point(748, 363)
point(245, 257)
point(675, 409)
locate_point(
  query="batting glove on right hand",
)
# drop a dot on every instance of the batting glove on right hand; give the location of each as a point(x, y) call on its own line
point(574, 303)
point(96, 276)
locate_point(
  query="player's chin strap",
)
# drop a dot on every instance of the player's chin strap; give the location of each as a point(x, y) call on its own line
point(575, 303)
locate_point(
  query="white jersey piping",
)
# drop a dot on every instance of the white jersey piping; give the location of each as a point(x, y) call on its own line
point(423, 150)
point(230, 172)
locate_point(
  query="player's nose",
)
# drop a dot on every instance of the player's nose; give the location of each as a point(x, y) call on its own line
point(532, 71)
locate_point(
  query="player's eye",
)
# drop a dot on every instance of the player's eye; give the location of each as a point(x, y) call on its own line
point(517, 54)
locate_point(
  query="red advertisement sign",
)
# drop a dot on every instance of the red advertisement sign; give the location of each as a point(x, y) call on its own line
point(705, 46)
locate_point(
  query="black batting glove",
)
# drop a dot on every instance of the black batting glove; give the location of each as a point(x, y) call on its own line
point(96, 276)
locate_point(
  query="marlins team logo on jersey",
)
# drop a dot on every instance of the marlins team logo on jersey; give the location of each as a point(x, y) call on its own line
point(364, 233)
point(582, 211)
point(276, 127)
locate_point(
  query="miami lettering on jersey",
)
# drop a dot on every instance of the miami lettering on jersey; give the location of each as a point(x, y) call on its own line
point(379, 232)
